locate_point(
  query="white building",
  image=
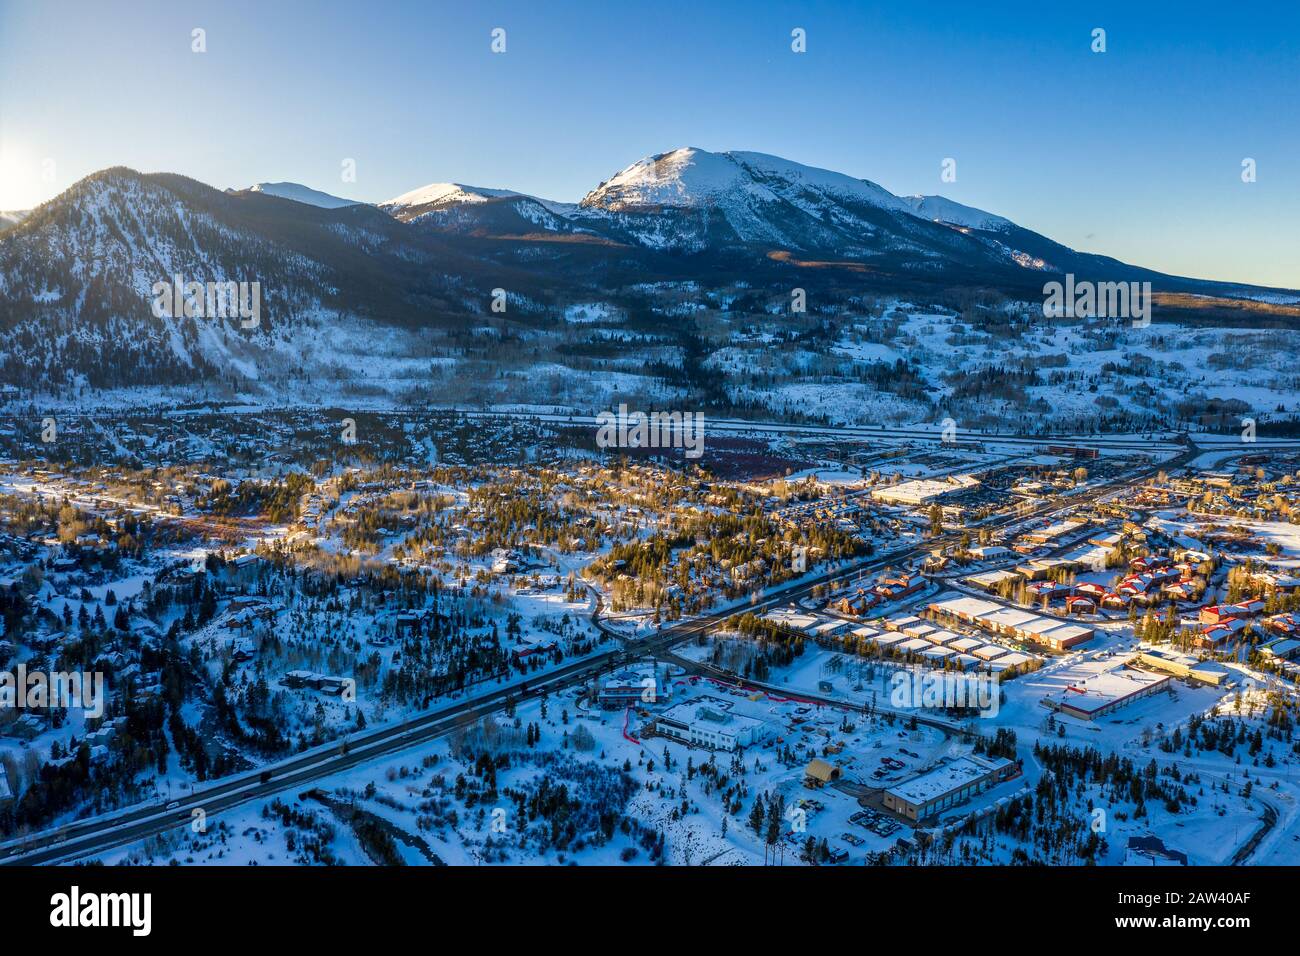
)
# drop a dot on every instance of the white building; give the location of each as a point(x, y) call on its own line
point(922, 491)
point(710, 722)
point(1097, 688)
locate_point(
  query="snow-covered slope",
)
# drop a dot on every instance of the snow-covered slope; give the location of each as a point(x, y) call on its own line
point(477, 210)
point(305, 194)
point(694, 177)
point(444, 194)
point(77, 279)
point(12, 217)
point(939, 209)
point(681, 177)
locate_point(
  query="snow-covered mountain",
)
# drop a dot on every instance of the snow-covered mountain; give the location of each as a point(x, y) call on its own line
point(441, 194)
point(690, 200)
point(304, 194)
point(691, 177)
point(476, 210)
point(707, 198)
point(76, 273)
point(76, 280)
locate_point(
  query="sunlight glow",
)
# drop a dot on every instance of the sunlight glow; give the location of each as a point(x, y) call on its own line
point(26, 179)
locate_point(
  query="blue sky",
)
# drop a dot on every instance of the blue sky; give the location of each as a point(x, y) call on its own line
point(1135, 152)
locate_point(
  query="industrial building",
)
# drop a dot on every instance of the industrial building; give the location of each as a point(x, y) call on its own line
point(1105, 691)
point(947, 785)
point(923, 491)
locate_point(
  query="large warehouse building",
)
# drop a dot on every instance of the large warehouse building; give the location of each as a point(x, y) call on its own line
point(1094, 695)
point(921, 491)
point(947, 785)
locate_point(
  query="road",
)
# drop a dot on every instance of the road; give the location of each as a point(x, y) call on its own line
point(85, 838)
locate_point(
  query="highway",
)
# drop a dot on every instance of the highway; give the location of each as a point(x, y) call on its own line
point(93, 835)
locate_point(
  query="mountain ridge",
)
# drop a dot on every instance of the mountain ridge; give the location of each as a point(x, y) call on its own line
point(450, 274)
point(303, 194)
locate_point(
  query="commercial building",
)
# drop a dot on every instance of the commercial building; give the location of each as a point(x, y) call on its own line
point(922, 491)
point(631, 688)
point(1103, 692)
point(1012, 622)
point(947, 785)
point(1181, 665)
point(992, 580)
point(1054, 532)
point(789, 617)
point(710, 722)
point(985, 551)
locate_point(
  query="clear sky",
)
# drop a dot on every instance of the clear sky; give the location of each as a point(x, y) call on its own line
point(1135, 152)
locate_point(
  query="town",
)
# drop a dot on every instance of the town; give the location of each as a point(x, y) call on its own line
point(391, 637)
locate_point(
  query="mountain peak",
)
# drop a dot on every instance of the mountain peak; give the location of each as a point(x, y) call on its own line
point(303, 194)
point(686, 176)
point(691, 177)
point(437, 194)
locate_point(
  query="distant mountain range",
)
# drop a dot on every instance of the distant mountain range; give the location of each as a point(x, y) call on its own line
point(76, 273)
point(692, 201)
